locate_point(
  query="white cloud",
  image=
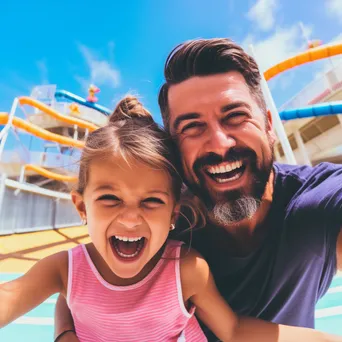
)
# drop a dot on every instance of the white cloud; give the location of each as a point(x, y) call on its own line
point(42, 67)
point(263, 14)
point(334, 8)
point(283, 43)
point(101, 72)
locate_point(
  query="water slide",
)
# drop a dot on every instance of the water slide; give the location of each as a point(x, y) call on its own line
point(46, 135)
point(321, 109)
point(40, 132)
point(75, 98)
point(49, 174)
point(25, 100)
point(308, 56)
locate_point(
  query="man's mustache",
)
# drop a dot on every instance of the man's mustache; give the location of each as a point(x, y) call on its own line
point(232, 155)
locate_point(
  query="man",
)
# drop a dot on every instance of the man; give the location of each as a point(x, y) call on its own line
point(273, 238)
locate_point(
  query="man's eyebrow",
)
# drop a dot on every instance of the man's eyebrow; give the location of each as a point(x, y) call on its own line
point(184, 117)
point(235, 105)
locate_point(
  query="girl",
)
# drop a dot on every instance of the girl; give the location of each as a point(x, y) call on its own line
point(131, 283)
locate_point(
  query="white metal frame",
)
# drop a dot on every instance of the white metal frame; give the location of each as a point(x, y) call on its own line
point(8, 126)
point(279, 128)
point(36, 189)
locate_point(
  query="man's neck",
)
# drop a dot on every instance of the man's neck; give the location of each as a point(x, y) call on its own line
point(247, 235)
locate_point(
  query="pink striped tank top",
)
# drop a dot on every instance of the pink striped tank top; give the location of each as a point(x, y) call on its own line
point(150, 310)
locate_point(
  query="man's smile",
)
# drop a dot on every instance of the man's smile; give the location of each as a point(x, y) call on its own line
point(226, 172)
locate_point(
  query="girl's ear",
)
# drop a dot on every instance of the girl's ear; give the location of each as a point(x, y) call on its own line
point(175, 214)
point(77, 200)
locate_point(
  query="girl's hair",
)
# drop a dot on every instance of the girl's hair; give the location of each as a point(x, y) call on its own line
point(131, 133)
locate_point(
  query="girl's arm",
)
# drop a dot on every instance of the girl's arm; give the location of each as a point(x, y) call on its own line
point(21, 295)
point(199, 287)
point(64, 321)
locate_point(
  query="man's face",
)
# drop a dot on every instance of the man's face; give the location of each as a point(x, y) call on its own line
point(225, 142)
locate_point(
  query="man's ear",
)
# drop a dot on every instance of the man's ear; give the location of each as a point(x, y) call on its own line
point(77, 200)
point(269, 127)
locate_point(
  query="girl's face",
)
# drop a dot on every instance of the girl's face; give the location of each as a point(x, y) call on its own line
point(129, 210)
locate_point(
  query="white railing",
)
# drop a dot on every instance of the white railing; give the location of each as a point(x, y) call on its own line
point(317, 90)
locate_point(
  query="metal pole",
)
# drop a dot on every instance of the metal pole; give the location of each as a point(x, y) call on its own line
point(5, 131)
point(339, 116)
point(302, 148)
point(279, 128)
point(2, 190)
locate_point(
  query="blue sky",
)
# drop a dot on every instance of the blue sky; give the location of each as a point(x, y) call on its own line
point(121, 46)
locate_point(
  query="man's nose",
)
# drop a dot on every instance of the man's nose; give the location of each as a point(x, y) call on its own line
point(130, 218)
point(219, 141)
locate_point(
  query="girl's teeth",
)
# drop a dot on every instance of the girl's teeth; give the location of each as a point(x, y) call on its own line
point(129, 239)
point(126, 255)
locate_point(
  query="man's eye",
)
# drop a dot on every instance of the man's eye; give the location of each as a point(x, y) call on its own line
point(153, 202)
point(192, 127)
point(235, 118)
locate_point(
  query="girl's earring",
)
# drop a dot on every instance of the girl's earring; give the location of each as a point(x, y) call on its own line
point(84, 221)
point(172, 226)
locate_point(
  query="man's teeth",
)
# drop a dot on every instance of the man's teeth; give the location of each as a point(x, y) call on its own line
point(224, 180)
point(225, 168)
point(129, 239)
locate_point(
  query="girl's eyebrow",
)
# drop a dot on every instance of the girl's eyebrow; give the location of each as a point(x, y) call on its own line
point(165, 193)
point(111, 188)
point(104, 187)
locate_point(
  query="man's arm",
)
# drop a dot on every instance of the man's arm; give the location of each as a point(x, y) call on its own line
point(339, 251)
point(211, 308)
point(64, 321)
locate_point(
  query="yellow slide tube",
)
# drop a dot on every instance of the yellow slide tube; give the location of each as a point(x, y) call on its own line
point(24, 100)
point(48, 174)
point(40, 132)
point(310, 55)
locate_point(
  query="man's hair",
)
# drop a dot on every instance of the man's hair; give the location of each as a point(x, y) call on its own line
point(203, 57)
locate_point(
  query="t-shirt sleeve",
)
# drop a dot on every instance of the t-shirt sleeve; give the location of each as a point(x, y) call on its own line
point(314, 218)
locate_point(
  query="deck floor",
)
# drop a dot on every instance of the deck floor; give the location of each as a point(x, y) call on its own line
point(19, 252)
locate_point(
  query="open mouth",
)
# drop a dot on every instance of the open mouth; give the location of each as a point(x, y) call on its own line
point(226, 172)
point(127, 248)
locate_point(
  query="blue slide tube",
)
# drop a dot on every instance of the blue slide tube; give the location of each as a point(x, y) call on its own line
point(321, 109)
point(75, 98)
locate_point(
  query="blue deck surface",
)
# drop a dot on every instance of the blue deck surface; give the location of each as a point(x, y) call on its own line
point(37, 325)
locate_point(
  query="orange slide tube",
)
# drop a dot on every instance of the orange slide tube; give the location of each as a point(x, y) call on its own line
point(48, 174)
point(40, 132)
point(24, 100)
point(304, 57)
point(46, 135)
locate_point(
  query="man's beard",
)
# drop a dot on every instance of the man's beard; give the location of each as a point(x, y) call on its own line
point(230, 207)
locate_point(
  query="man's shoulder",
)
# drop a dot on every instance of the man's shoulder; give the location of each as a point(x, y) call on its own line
point(305, 173)
point(316, 189)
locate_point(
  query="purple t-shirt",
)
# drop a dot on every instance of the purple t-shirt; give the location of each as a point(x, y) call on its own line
point(283, 280)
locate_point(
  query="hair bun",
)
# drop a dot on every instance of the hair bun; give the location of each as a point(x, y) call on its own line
point(130, 108)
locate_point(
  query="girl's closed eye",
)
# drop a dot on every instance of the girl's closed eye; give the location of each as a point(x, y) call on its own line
point(152, 202)
point(108, 199)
